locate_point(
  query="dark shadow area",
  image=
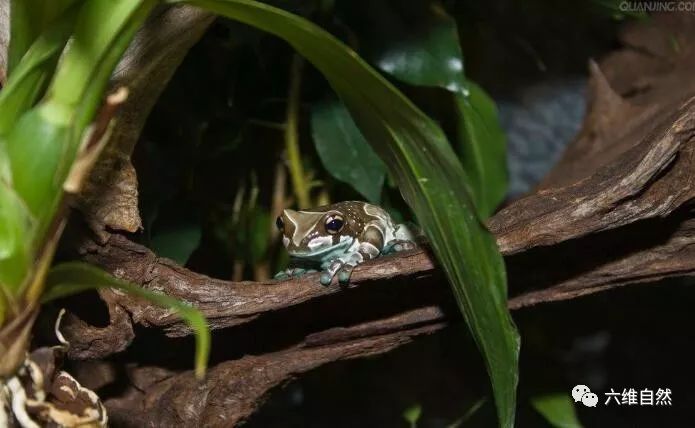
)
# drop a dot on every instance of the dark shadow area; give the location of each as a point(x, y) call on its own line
point(542, 267)
point(628, 338)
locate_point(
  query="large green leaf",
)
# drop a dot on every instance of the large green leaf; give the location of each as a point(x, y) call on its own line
point(75, 277)
point(429, 176)
point(177, 242)
point(417, 42)
point(29, 19)
point(103, 31)
point(15, 257)
point(41, 144)
point(557, 409)
point(343, 150)
point(31, 74)
point(54, 128)
point(481, 145)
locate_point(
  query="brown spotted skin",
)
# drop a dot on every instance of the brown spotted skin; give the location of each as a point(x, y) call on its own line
point(367, 231)
point(353, 213)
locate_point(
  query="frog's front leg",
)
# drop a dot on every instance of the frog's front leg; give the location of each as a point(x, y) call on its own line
point(297, 267)
point(370, 243)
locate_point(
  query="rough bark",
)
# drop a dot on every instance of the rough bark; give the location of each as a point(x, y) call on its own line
point(110, 198)
point(615, 211)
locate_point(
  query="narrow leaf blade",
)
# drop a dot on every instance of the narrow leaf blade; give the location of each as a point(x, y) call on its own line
point(28, 19)
point(482, 147)
point(557, 409)
point(344, 152)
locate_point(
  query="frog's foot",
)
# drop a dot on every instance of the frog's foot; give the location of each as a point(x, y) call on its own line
point(293, 273)
point(344, 274)
point(340, 268)
point(398, 245)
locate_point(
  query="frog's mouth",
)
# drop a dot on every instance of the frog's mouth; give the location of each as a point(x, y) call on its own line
point(320, 253)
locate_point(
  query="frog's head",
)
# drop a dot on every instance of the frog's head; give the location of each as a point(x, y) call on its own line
point(314, 234)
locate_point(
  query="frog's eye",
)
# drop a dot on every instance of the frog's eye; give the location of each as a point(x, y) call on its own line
point(280, 224)
point(334, 224)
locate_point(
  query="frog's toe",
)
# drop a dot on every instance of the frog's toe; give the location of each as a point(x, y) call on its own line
point(397, 245)
point(325, 278)
point(281, 275)
point(297, 272)
point(344, 274)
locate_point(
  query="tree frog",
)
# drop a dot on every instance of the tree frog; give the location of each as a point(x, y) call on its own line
point(338, 237)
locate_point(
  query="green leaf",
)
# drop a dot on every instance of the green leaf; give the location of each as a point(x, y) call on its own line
point(469, 414)
point(344, 152)
point(412, 415)
point(29, 18)
point(75, 277)
point(42, 144)
point(557, 409)
point(103, 31)
point(481, 145)
point(33, 176)
point(177, 243)
point(414, 41)
point(15, 258)
point(30, 76)
point(417, 42)
point(429, 175)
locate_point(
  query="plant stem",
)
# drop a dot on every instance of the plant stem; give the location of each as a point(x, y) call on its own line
point(299, 184)
point(279, 199)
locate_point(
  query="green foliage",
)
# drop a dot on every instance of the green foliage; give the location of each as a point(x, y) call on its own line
point(29, 19)
point(416, 41)
point(54, 128)
point(177, 243)
point(74, 277)
point(429, 176)
point(31, 75)
point(469, 414)
point(412, 415)
point(343, 150)
point(557, 409)
point(41, 134)
point(481, 145)
point(418, 44)
point(14, 254)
